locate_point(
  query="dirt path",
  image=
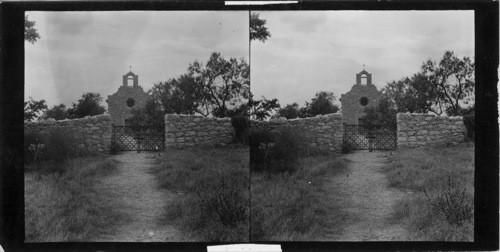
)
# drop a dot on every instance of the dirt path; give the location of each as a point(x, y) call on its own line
point(135, 194)
point(369, 201)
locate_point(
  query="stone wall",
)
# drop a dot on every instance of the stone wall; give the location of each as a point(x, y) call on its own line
point(191, 130)
point(324, 132)
point(423, 129)
point(92, 134)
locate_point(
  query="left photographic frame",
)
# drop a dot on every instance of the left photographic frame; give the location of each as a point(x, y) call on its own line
point(130, 134)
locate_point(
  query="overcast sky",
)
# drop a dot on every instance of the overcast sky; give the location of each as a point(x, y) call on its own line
point(311, 51)
point(90, 51)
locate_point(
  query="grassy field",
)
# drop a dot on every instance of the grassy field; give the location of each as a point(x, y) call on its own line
point(439, 181)
point(212, 186)
point(291, 206)
point(61, 203)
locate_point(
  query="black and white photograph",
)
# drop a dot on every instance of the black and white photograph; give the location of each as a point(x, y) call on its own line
point(307, 125)
point(369, 130)
point(129, 126)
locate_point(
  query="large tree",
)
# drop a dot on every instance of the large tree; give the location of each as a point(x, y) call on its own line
point(263, 108)
point(454, 81)
point(258, 30)
point(30, 33)
point(151, 114)
point(218, 88)
point(383, 114)
point(33, 108)
point(321, 104)
point(415, 95)
point(58, 112)
point(180, 95)
point(290, 111)
point(447, 87)
point(89, 105)
point(224, 84)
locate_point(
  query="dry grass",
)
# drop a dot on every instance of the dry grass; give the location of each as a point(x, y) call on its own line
point(294, 206)
point(212, 185)
point(440, 185)
point(61, 203)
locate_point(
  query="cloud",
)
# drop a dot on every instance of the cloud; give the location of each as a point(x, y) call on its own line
point(90, 51)
point(298, 60)
point(303, 23)
point(67, 23)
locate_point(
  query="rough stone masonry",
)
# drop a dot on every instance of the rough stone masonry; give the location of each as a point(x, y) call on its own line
point(193, 130)
point(92, 134)
point(323, 132)
point(424, 129)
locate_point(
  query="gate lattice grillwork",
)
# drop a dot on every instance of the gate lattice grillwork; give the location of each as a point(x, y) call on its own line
point(146, 138)
point(375, 137)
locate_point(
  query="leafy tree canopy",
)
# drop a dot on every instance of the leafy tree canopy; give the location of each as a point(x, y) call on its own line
point(414, 95)
point(58, 112)
point(89, 105)
point(290, 111)
point(321, 104)
point(454, 81)
point(223, 83)
point(258, 30)
point(151, 114)
point(383, 114)
point(180, 95)
point(30, 33)
point(447, 87)
point(32, 109)
point(219, 88)
point(263, 108)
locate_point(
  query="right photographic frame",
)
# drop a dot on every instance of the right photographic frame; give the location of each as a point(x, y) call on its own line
point(362, 125)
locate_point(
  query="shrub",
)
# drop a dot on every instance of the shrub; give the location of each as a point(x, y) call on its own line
point(114, 148)
point(454, 203)
point(225, 201)
point(58, 144)
point(258, 136)
point(241, 126)
point(470, 125)
point(287, 148)
point(346, 147)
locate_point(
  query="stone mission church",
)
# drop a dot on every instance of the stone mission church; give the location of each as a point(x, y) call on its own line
point(121, 103)
point(363, 94)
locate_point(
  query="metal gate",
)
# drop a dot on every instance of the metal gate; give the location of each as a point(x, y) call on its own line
point(146, 138)
point(371, 137)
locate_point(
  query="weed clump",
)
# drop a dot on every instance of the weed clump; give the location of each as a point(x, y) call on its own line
point(58, 146)
point(241, 126)
point(454, 203)
point(346, 147)
point(470, 125)
point(275, 151)
point(213, 201)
